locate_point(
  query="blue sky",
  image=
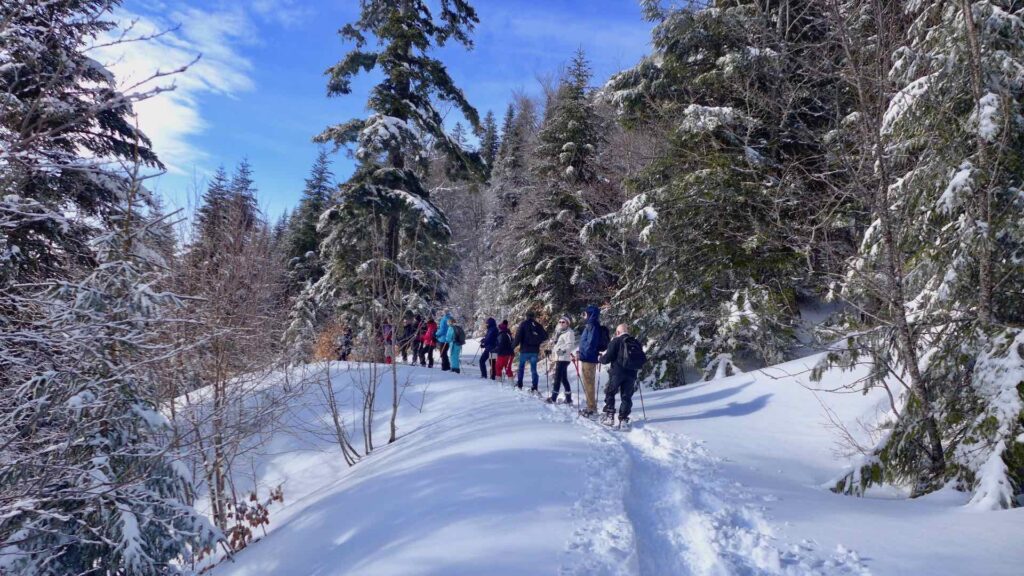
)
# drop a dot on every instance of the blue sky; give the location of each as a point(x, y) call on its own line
point(259, 90)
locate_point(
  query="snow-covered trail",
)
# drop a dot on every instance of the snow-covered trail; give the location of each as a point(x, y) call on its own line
point(485, 479)
point(655, 503)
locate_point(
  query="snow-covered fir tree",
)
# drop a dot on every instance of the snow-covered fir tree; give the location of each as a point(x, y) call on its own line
point(938, 271)
point(384, 224)
point(490, 142)
point(732, 225)
point(551, 272)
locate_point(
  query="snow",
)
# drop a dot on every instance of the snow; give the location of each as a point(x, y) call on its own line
point(985, 118)
point(903, 101)
point(721, 477)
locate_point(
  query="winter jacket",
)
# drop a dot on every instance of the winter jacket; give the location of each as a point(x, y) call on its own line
point(520, 337)
point(565, 344)
point(590, 339)
point(408, 333)
point(504, 346)
point(430, 336)
point(490, 341)
point(612, 356)
point(442, 329)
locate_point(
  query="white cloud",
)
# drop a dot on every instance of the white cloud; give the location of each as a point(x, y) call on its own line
point(173, 118)
point(288, 13)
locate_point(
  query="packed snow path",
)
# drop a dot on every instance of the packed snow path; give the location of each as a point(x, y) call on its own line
point(486, 479)
point(655, 504)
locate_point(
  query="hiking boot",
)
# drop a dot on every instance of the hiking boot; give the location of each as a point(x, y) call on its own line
point(568, 400)
point(608, 419)
point(624, 422)
point(551, 400)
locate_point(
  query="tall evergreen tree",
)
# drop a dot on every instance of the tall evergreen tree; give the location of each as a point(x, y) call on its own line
point(721, 224)
point(551, 272)
point(384, 224)
point(302, 236)
point(490, 142)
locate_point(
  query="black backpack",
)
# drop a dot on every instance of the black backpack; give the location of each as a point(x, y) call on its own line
point(603, 338)
point(535, 334)
point(460, 335)
point(632, 356)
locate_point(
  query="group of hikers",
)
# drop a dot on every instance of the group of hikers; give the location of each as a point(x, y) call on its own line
point(420, 338)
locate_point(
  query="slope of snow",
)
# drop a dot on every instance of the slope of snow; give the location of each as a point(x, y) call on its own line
point(724, 478)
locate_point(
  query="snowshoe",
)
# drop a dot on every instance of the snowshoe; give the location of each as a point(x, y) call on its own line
point(624, 424)
point(551, 400)
point(608, 419)
point(588, 413)
point(568, 400)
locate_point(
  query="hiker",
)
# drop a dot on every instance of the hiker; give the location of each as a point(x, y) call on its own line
point(487, 347)
point(504, 350)
point(529, 337)
point(418, 327)
point(429, 343)
point(456, 338)
point(626, 358)
point(405, 340)
point(565, 345)
point(593, 341)
point(345, 344)
point(386, 338)
point(443, 343)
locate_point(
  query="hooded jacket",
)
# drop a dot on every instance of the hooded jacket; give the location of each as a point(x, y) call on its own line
point(490, 341)
point(565, 344)
point(590, 339)
point(442, 329)
point(430, 336)
point(503, 345)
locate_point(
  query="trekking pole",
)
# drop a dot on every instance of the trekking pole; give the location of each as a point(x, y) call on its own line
point(547, 372)
point(578, 381)
point(640, 388)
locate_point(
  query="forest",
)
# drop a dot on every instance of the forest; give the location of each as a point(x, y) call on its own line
point(775, 178)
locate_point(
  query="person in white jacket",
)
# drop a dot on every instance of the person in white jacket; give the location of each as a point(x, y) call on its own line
point(564, 347)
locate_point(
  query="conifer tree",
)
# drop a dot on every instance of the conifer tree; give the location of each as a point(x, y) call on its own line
point(490, 142)
point(384, 223)
point(551, 272)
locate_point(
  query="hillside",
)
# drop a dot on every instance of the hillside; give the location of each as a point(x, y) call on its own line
point(724, 477)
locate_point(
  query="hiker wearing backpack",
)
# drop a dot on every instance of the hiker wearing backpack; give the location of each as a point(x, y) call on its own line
point(443, 342)
point(406, 338)
point(429, 343)
point(487, 347)
point(456, 338)
point(626, 357)
point(529, 337)
point(565, 345)
point(505, 350)
point(593, 341)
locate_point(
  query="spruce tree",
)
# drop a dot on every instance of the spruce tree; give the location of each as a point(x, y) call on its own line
point(551, 274)
point(732, 225)
point(384, 224)
point(490, 142)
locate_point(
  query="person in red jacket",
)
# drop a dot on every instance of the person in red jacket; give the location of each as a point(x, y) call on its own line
point(429, 342)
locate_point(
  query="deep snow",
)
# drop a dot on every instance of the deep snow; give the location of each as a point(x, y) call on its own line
point(724, 477)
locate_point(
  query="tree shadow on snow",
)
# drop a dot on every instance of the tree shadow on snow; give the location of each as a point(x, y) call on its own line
point(732, 410)
point(719, 394)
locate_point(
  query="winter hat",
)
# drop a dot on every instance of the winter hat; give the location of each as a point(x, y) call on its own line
point(531, 315)
point(566, 318)
point(503, 325)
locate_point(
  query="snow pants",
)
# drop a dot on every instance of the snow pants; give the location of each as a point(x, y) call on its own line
point(532, 358)
point(445, 362)
point(504, 364)
point(427, 356)
point(561, 379)
point(484, 356)
point(623, 383)
point(589, 370)
point(455, 350)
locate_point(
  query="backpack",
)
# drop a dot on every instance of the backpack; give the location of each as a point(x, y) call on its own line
point(460, 335)
point(632, 356)
point(603, 338)
point(535, 334)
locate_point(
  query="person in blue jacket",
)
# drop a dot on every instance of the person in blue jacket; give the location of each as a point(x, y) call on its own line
point(593, 341)
point(443, 341)
point(487, 347)
point(456, 338)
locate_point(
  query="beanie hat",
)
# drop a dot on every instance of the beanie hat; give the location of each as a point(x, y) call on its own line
point(566, 318)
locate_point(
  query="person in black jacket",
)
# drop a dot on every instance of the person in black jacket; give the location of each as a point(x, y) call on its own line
point(529, 337)
point(406, 338)
point(621, 380)
point(487, 347)
point(505, 352)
